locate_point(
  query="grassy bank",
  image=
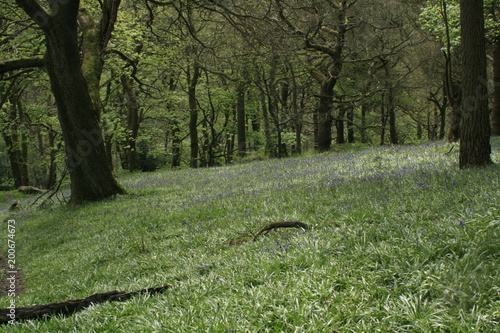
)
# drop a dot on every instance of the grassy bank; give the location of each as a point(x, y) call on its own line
point(401, 241)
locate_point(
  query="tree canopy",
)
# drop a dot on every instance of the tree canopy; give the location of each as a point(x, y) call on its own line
point(97, 86)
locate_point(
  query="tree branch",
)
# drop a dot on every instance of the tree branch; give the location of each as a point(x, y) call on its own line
point(109, 16)
point(12, 65)
point(35, 11)
point(71, 306)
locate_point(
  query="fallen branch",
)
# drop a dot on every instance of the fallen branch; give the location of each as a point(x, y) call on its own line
point(449, 151)
point(71, 306)
point(269, 227)
point(276, 225)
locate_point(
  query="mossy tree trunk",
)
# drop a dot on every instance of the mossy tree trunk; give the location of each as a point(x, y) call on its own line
point(91, 175)
point(133, 122)
point(96, 35)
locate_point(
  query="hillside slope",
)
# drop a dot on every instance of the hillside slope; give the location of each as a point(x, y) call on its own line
point(401, 240)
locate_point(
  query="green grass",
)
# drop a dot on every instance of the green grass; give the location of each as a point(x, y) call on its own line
point(413, 248)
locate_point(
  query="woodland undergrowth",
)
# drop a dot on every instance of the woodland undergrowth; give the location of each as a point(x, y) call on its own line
point(401, 240)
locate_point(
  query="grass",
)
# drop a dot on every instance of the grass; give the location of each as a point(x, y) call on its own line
point(402, 241)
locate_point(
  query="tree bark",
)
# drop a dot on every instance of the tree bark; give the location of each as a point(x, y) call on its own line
point(96, 36)
point(23, 140)
point(350, 126)
point(452, 89)
point(393, 134)
point(52, 174)
point(391, 108)
point(133, 123)
point(241, 119)
point(328, 76)
point(442, 117)
point(324, 115)
point(364, 112)
point(495, 116)
point(176, 144)
point(475, 127)
point(90, 174)
point(16, 141)
point(12, 65)
point(193, 113)
point(92, 62)
point(383, 118)
point(340, 124)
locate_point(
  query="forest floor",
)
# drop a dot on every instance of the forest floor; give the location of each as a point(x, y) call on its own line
point(400, 240)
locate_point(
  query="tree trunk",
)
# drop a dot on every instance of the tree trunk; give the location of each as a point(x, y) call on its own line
point(475, 127)
point(193, 113)
point(456, 116)
point(132, 124)
point(14, 153)
point(16, 143)
point(364, 112)
point(328, 76)
point(51, 178)
point(451, 89)
point(229, 147)
point(441, 108)
point(297, 115)
point(350, 126)
point(95, 38)
point(241, 120)
point(391, 108)
point(340, 124)
point(453, 93)
point(393, 134)
point(90, 174)
point(315, 131)
point(176, 144)
point(92, 63)
point(495, 116)
point(383, 116)
point(255, 124)
point(324, 115)
point(442, 117)
point(23, 140)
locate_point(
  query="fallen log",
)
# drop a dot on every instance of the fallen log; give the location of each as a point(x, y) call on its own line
point(10, 316)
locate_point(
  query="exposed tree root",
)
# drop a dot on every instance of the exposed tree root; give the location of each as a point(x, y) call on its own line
point(71, 306)
point(269, 227)
point(276, 225)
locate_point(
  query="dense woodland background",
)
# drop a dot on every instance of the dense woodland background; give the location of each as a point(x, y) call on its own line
point(205, 83)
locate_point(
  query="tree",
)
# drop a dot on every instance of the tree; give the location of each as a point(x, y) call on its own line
point(325, 38)
point(133, 121)
point(475, 128)
point(15, 136)
point(90, 173)
point(441, 19)
point(494, 12)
